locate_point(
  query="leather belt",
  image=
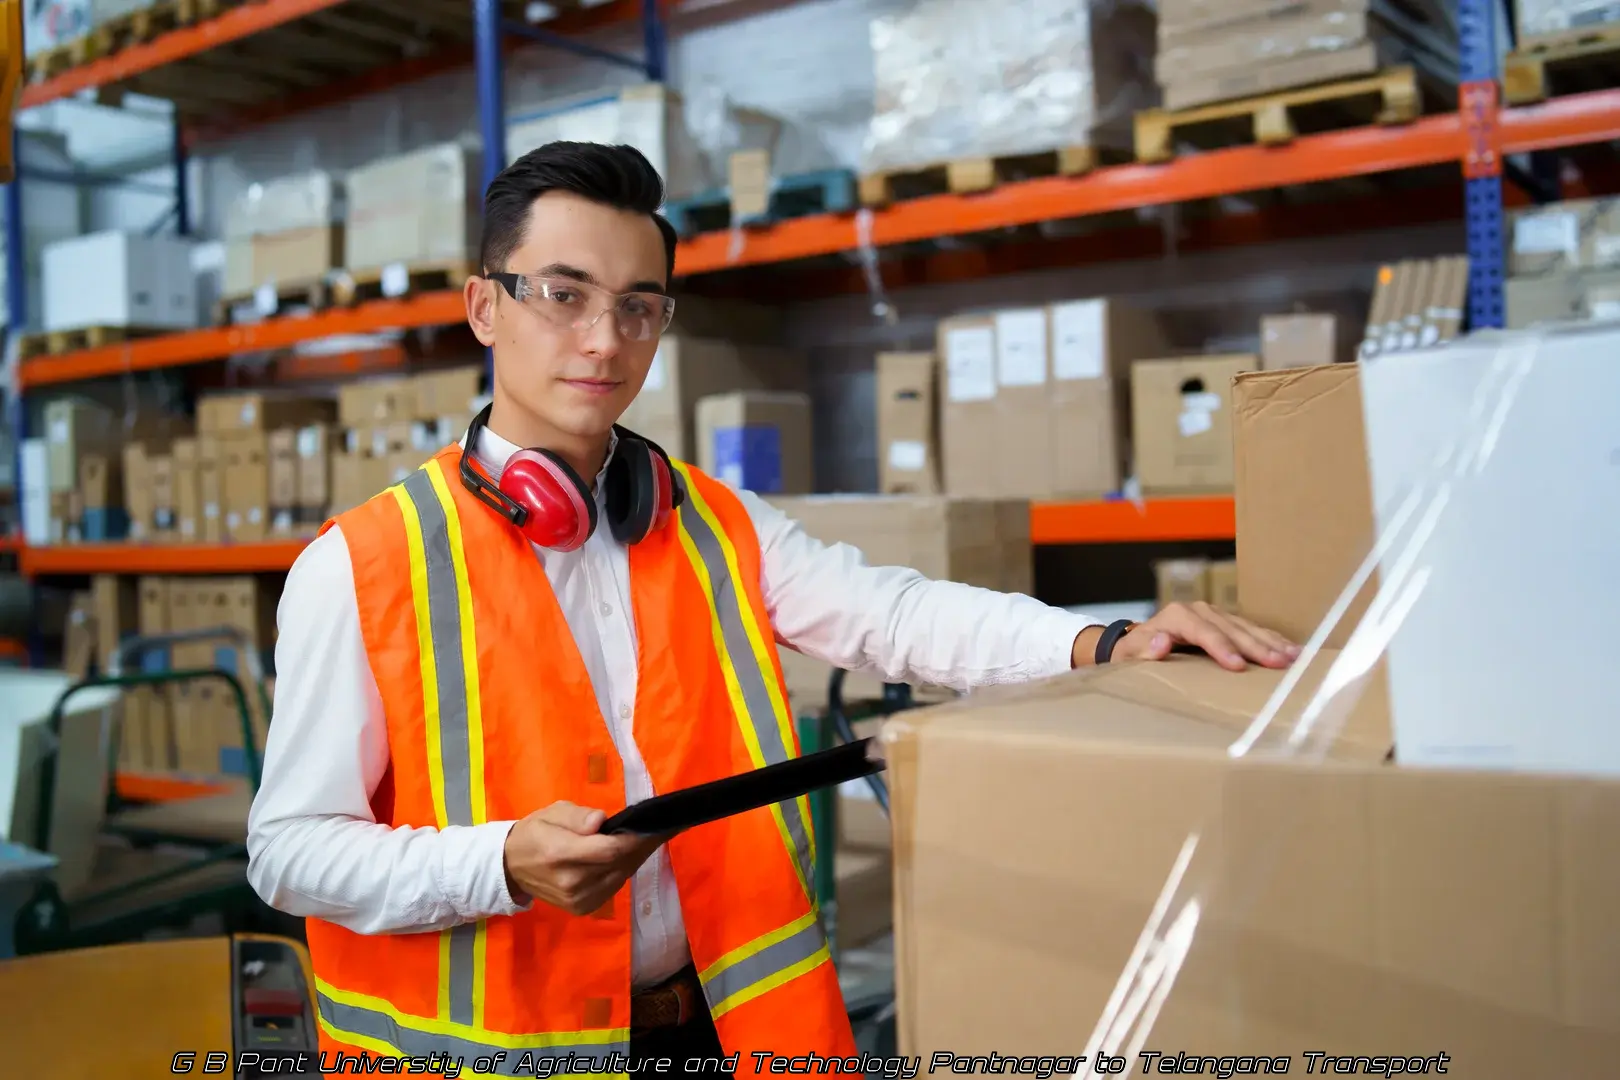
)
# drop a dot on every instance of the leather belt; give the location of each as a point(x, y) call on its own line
point(669, 1004)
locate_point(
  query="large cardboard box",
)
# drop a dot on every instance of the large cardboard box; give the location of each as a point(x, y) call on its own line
point(1303, 495)
point(245, 483)
point(1577, 234)
point(255, 411)
point(908, 423)
point(1563, 297)
point(1182, 413)
point(1301, 340)
point(1277, 903)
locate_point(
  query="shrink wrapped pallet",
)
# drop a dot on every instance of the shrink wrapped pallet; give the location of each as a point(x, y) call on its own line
point(956, 80)
point(1547, 18)
point(282, 230)
point(420, 208)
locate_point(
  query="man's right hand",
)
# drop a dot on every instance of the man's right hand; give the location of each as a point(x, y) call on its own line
point(557, 856)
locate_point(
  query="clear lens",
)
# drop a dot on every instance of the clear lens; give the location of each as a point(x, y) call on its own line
point(576, 305)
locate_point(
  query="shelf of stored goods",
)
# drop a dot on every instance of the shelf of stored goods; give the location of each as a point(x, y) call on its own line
point(1561, 122)
point(1100, 522)
point(153, 787)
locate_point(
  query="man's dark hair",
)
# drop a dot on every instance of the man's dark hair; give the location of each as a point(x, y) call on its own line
point(616, 176)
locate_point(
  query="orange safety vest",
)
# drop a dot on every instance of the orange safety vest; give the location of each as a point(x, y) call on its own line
point(491, 716)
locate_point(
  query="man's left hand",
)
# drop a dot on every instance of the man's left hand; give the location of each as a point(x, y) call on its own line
point(1232, 641)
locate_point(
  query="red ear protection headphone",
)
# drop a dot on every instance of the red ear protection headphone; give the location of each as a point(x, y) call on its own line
point(548, 502)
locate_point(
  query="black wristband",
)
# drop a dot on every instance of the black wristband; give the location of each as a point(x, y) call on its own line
point(1110, 637)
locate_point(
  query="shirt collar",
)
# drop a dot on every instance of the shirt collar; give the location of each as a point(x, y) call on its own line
point(493, 452)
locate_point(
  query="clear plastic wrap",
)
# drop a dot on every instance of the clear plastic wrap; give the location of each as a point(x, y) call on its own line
point(417, 208)
point(1543, 18)
point(309, 200)
point(955, 80)
point(1168, 873)
point(1273, 39)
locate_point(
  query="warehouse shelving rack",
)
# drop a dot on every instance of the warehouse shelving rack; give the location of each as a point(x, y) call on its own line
point(1478, 137)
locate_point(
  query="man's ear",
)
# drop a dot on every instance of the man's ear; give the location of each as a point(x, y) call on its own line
point(479, 294)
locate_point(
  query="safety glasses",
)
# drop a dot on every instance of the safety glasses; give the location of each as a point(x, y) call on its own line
point(576, 305)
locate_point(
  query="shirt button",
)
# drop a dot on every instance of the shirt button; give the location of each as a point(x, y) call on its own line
point(646, 908)
point(624, 712)
point(607, 609)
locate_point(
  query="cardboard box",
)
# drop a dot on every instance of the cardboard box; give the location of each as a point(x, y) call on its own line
point(1303, 496)
point(377, 401)
point(686, 369)
point(74, 426)
point(141, 281)
point(102, 517)
point(1577, 234)
point(1035, 399)
point(1346, 906)
point(1182, 581)
point(283, 481)
point(233, 414)
point(757, 440)
point(448, 395)
point(155, 726)
point(1564, 297)
point(139, 497)
point(1296, 341)
point(211, 487)
point(165, 500)
point(982, 542)
point(314, 480)
point(1182, 420)
point(245, 487)
point(188, 507)
point(1416, 303)
point(421, 207)
point(1222, 583)
point(908, 424)
point(294, 257)
point(1226, 85)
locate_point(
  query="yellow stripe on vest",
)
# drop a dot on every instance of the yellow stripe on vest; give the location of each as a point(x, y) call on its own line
point(763, 964)
point(757, 698)
point(442, 598)
point(369, 1023)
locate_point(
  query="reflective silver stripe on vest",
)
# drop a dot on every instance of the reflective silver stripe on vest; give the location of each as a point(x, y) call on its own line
point(771, 961)
point(761, 715)
point(444, 610)
point(409, 1042)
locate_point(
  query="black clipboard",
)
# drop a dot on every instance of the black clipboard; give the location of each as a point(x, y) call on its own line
point(665, 815)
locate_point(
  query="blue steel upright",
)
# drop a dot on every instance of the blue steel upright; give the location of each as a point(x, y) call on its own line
point(491, 109)
point(1482, 169)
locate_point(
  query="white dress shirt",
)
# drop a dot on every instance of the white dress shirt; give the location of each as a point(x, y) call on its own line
point(315, 848)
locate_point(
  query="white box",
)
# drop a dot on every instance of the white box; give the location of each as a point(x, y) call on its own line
point(36, 492)
point(689, 146)
point(120, 279)
point(1494, 484)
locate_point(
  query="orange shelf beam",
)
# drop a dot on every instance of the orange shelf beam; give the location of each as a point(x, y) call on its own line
point(144, 787)
point(1123, 522)
point(1433, 140)
point(232, 25)
point(268, 557)
point(1156, 520)
point(216, 343)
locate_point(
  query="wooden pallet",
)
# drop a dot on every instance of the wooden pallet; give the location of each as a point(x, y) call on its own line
point(1389, 97)
point(404, 279)
point(312, 293)
point(1563, 63)
point(57, 342)
point(827, 191)
point(964, 176)
point(120, 32)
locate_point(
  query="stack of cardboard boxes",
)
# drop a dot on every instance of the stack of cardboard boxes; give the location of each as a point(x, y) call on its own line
point(284, 232)
point(1218, 50)
point(419, 209)
point(1564, 263)
point(1315, 901)
point(1070, 401)
point(195, 728)
point(737, 411)
point(391, 425)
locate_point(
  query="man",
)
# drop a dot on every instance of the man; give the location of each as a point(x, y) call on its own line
point(470, 675)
